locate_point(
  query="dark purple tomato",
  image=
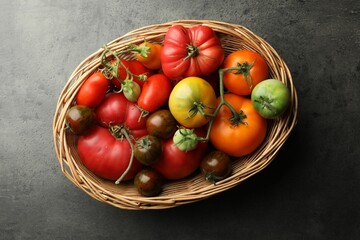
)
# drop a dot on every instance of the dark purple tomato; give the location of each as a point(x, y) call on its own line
point(216, 166)
point(148, 149)
point(80, 119)
point(161, 124)
point(148, 182)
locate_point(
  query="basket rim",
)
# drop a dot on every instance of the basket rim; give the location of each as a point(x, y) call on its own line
point(91, 186)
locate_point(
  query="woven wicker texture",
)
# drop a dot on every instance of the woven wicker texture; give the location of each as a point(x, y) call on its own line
point(193, 188)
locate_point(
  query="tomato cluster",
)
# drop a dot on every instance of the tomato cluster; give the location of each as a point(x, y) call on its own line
point(165, 114)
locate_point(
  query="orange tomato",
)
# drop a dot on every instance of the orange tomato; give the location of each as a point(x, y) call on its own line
point(242, 136)
point(153, 53)
point(253, 69)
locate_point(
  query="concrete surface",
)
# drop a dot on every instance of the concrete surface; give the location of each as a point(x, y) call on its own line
point(310, 191)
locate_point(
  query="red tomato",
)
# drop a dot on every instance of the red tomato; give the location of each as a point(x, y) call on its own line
point(244, 134)
point(93, 90)
point(107, 154)
point(176, 164)
point(155, 92)
point(191, 52)
point(135, 67)
point(253, 70)
point(117, 110)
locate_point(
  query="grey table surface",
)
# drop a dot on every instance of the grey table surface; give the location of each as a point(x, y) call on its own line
point(311, 189)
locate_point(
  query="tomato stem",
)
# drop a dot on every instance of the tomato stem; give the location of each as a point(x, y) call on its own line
point(144, 113)
point(112, 70)
point(237, 117)
point(125, 133)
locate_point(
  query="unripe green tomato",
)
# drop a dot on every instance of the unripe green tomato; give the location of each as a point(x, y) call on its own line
point(185, 139)
point(131, 90)
point(270, 98)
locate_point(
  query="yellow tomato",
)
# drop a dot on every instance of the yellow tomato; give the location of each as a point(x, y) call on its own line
point(191, 102)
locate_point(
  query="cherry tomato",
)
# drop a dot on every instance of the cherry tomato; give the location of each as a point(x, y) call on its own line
point(80, 119)
point(241, 135)
point(252, 70)
point(149, 54)
point(195, 51)
point(148, 182)
point(131, 90)
point(190, 99)
point(155, 92)
point(161, 124)
point(216, 166)
point(148, 149)
point(93, 90)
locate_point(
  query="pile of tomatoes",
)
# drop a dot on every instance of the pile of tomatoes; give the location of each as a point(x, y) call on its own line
point(175, 108)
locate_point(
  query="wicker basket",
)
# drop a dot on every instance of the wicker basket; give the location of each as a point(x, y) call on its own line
point(193, 188)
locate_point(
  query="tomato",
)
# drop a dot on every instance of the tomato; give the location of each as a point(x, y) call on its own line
point(148, 54)
point(131, 90)
point(195, 51)
point(106, 150)
point(148, 149)
point(155, 92)
point(135, 67)
point(93, 90)
point(190, 100)
point(117, 110)
point(80, 119)
point(148, 182)
point(252, 70)
point(270, 98)
point(176, 164)
point(216, 166)
point(185, 139)
point(241, 135)
point(161, 124)
point(105, 155)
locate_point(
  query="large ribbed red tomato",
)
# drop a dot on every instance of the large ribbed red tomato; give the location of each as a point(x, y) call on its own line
point(194, 51)
point(105, 149)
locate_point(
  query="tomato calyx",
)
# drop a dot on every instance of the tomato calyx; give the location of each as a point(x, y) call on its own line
point(266, 103)
point(141, 49)
point(210, 177)
point(244, 69)
point(144, 142)
point(238, 118)
point(199, 107)
point(192, 51)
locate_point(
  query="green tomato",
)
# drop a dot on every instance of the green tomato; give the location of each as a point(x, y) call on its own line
point(185, 139)
point(131, 90)
point(270, 98)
